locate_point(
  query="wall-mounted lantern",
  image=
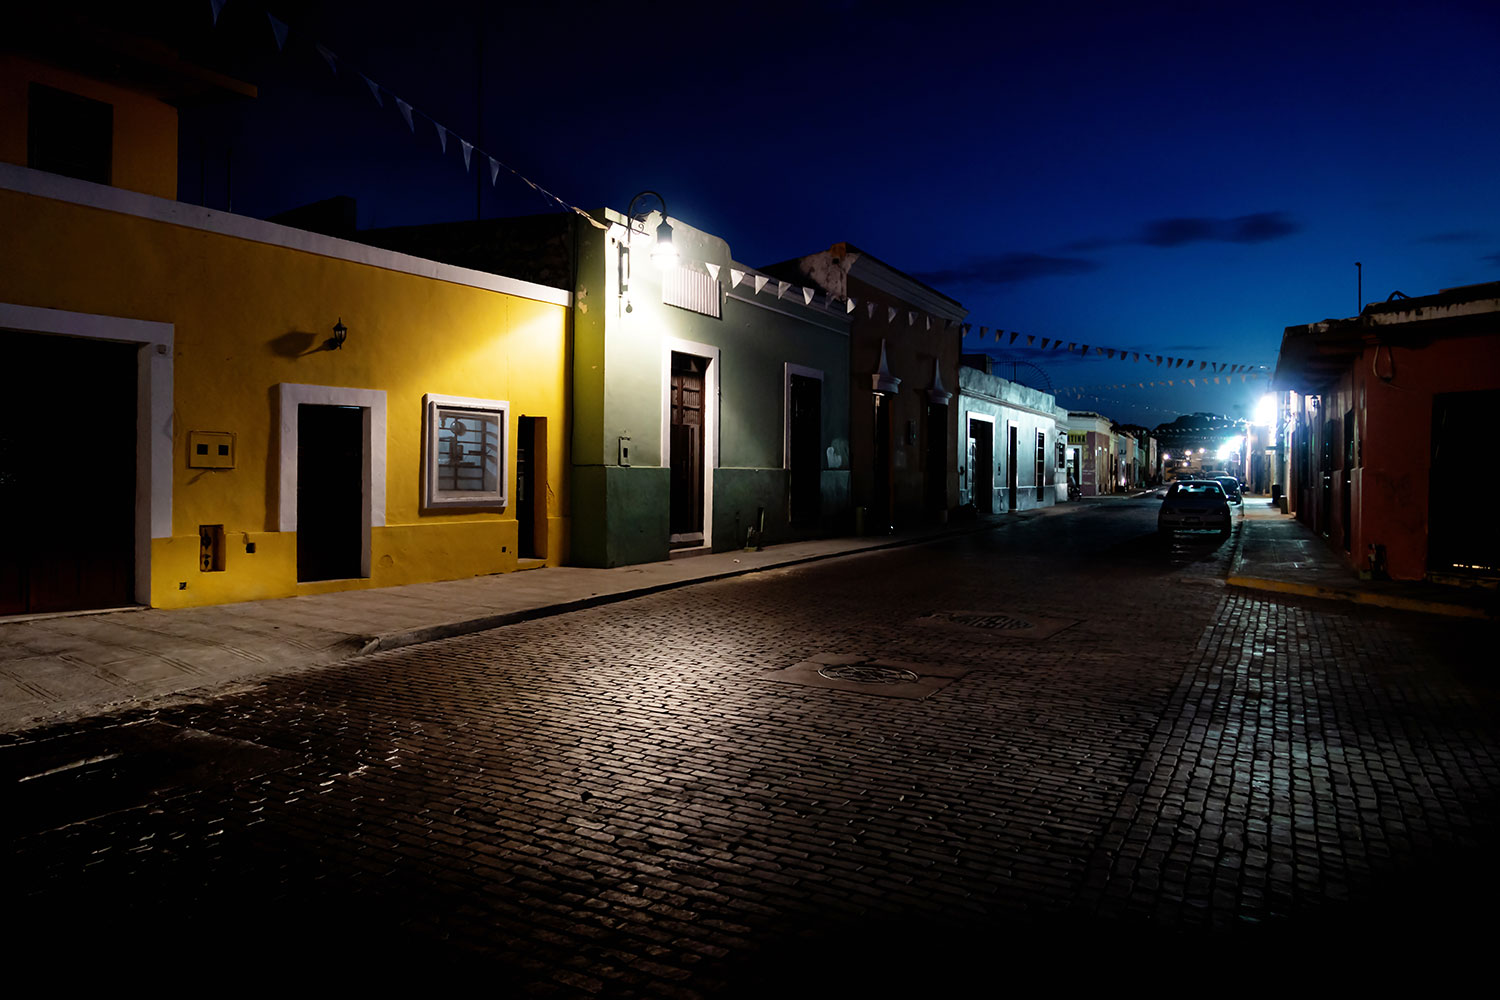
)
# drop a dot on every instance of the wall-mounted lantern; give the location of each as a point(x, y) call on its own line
point(340, 333)
point(663, 250)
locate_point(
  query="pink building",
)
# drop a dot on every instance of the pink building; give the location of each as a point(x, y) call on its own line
point(1383, 424)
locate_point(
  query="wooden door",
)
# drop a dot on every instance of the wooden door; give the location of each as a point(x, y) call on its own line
point(937, 457)
point(67, 474)
point(1012, 463)
point(687, 448)
point(982, 465)
point(531, 487)
point(804, 450)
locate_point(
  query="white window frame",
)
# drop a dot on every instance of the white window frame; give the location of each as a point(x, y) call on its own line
point(290, 396)
point(432, 497)
point(788, 371)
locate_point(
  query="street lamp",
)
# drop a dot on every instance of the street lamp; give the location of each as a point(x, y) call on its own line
point(663, 251)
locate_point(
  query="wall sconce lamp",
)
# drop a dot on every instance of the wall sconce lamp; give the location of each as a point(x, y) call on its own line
point(663, 251)
point(340, 333)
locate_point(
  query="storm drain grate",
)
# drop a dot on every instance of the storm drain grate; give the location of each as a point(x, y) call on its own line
point(975, 620)
point(868, 673)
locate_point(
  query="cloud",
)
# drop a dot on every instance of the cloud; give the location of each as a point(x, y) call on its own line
point(1179, 231)
point(1007, 269)
point(1457, 236)
point(1089, 245)
point(1259, 227)
point(1492, 258)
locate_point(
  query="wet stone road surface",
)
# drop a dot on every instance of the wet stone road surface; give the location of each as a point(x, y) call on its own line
point(1115, 768)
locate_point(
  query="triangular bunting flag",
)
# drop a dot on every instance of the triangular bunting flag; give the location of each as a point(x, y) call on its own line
point(1013, 335)
point(1030, 339)
point(217, 6)
point(870, 310)
point(713, 270)
point(1111, 352)
point(781, 287)
point(1137, 356)
point(1158, 361)
point(1070, 346)
point(328, 57)
point(911, 317)
point(468, 149)
point(848, 306)
point(442, 136)
point(278, 28)
point(890, 314)
point(984, 331)
point(1193, 382)
point(735, 277)
point(1085, 350)
point(374, 89)
point(494, 171)
point(929, 322)
point(807, 296)
point(405, 110)
point(760, 282)
point(1045, 342)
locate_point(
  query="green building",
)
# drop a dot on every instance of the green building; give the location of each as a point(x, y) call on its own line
point(710, 402)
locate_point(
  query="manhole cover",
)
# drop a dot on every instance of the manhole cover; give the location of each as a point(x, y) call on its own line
point(868, 673)
point(980, 620)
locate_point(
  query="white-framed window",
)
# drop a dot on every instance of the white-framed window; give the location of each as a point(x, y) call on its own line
point(464, 451)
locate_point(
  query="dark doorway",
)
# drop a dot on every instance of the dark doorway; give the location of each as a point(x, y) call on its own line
point(882, 502)
point(1012, 474)
point(1459, 540)
point(531, 488)
point(982, 465)
point(1041, 466)
point(804, 450)
point(687, 448)
point(1325, 474)
point(1346, 481)
point(330, 492)
point(67, 474)
point(937, 457)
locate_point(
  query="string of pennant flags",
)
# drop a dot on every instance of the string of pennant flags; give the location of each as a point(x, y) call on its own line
point(1205, 372)
point(409, 113)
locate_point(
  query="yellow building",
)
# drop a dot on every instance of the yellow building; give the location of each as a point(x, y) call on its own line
point(201, 407)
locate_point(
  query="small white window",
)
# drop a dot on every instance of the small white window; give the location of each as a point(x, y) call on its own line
point(464, 451)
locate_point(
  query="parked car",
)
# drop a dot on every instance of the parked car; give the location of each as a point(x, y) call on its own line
point(1194, 505)
point(1232, 488)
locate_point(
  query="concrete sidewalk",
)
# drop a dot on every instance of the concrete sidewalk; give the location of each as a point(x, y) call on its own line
point(1278, 553)
point(60, 667)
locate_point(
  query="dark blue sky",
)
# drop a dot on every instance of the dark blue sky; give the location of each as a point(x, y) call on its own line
point(1172, 178)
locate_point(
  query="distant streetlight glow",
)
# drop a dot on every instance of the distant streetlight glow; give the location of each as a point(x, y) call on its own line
point(1265, 411)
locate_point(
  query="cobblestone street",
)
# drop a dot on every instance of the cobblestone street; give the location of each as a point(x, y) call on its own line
point(1107, 764)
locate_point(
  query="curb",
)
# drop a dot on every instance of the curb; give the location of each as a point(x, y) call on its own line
point(450, 630)
point(1393, 601)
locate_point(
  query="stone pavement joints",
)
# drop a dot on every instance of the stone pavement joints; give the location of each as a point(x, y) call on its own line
point(1307, 753)
point(603, 803)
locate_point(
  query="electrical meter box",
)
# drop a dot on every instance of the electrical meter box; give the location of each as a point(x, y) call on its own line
point(210, 450)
